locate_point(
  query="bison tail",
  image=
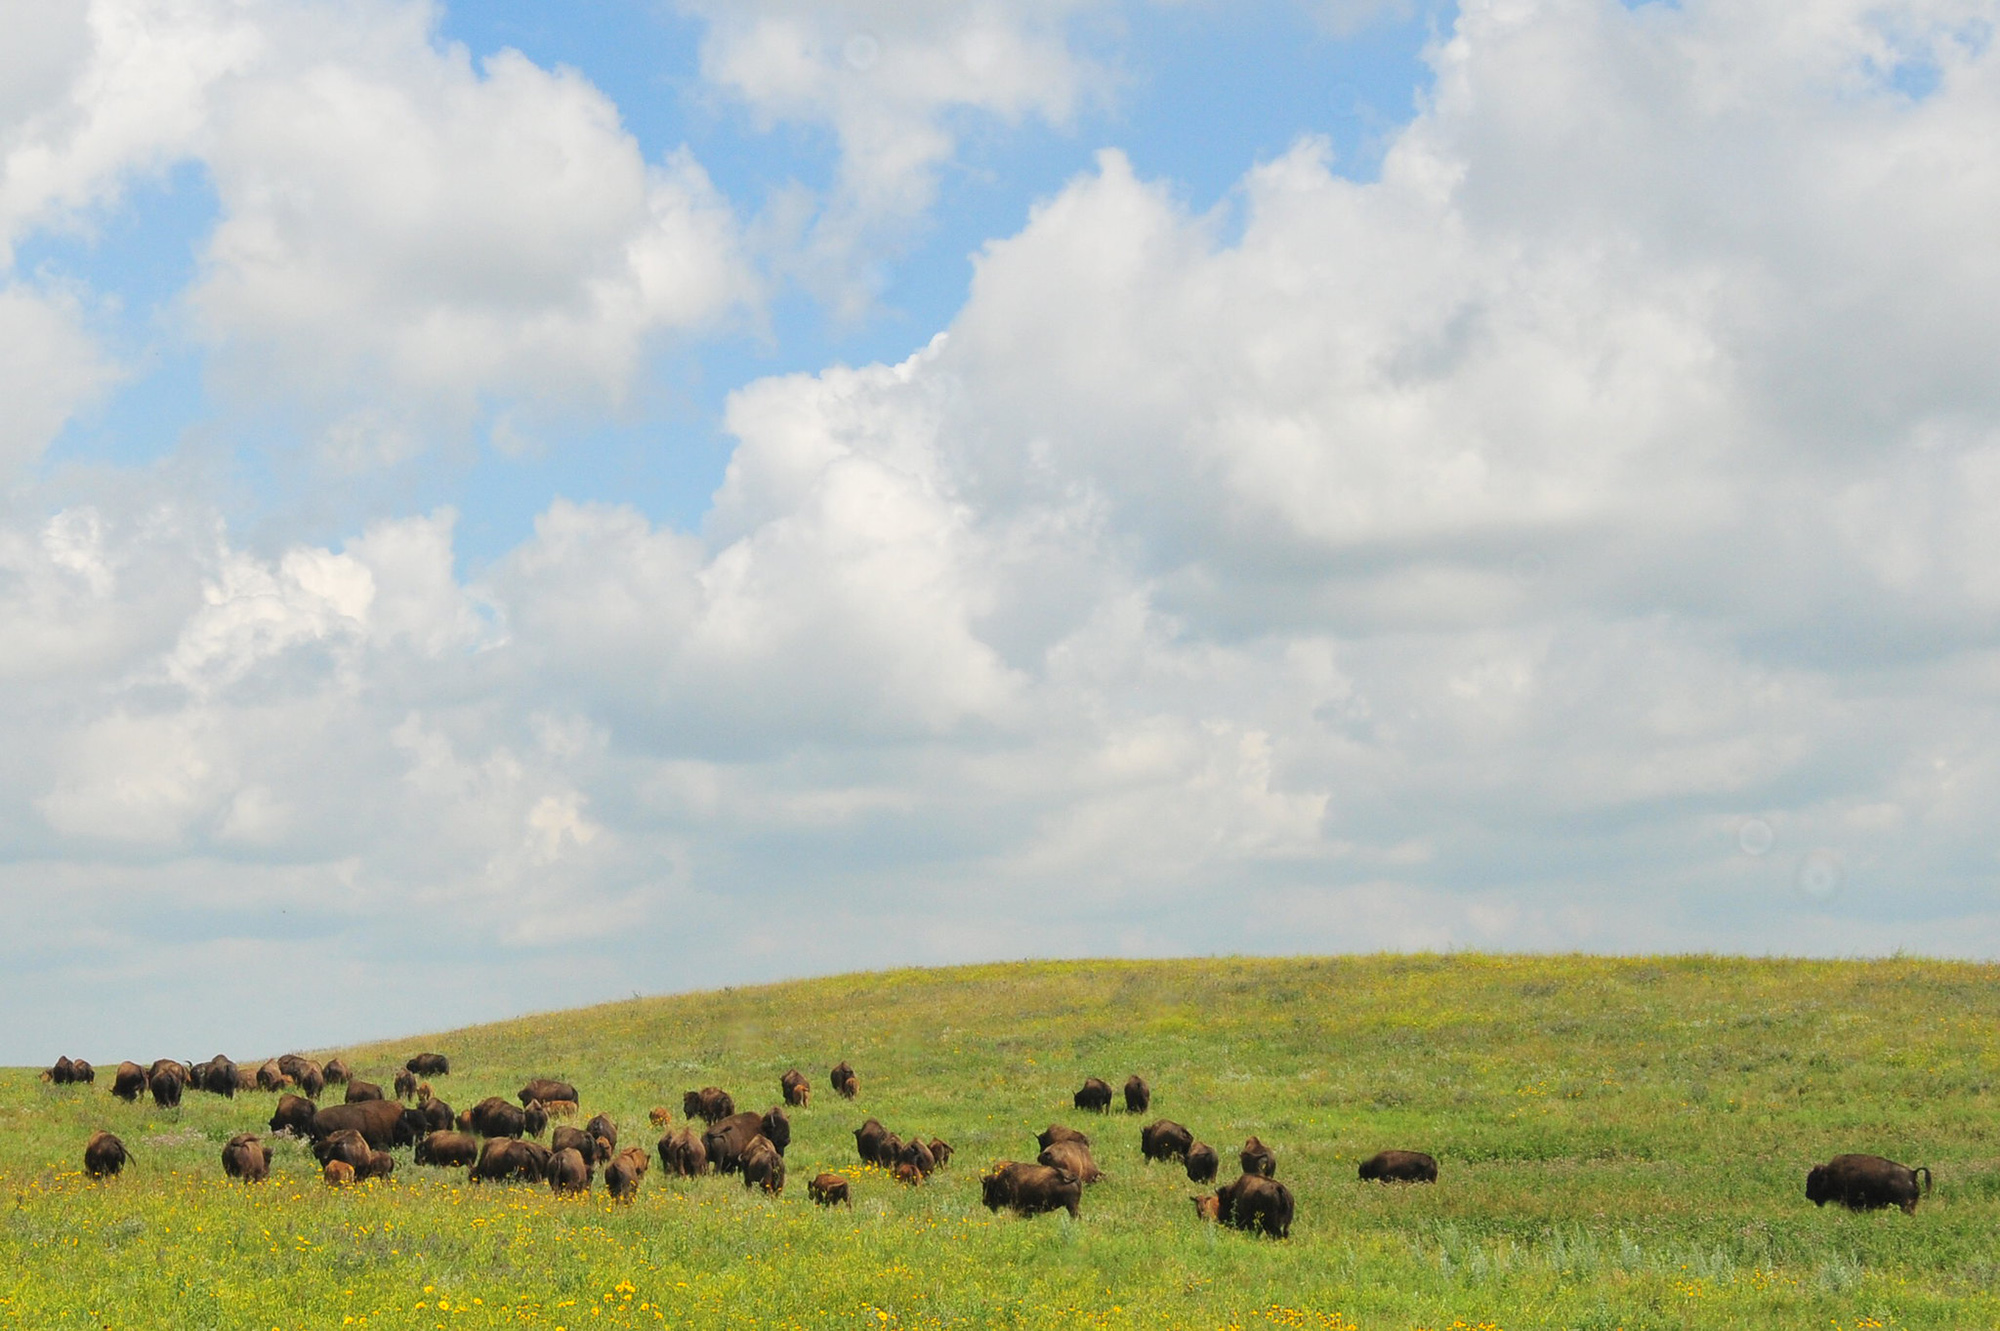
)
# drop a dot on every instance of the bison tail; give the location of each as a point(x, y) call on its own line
point(1925, 1170)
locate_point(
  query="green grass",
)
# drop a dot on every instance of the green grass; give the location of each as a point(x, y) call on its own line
point(1623, 1144)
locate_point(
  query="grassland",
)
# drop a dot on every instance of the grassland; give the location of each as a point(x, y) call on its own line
point(1623, 1144)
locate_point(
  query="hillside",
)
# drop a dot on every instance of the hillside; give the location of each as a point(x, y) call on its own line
point(1623, 1143)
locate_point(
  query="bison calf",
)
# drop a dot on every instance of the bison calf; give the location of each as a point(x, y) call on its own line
point(337, 1173)
point(830, 1190)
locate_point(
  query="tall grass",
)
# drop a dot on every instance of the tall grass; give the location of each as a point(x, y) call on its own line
point(1623, 1144)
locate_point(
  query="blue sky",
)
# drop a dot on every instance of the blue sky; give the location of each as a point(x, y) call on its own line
point(663, 495)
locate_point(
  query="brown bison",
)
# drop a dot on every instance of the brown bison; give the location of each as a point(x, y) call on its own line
point(1399, 1167)
point(868, 1139)
point(659, 1116)
point(380, 1165)
point(796, 1089)
point(682, 1154)
point(1056, 1132)
point(358, 1091)
point(600, 1125)
point(433, 1114)
point(406, 1085)
point(1259, 1159)
point(622, 1175)
point(129, 1082)
point(710, 1104)
point(916, 1153)
point(217, 1077)
point(429, 1065)
point(1138, 1095)
point(348, 1145)
point(103, 1154)
point(81, 1073)
point(1866, 1183)
point(1095, 1093)
point(1256, 1202)
point(62, 1071)
point(271, 1077)
point(1208, 1207)
point(1030, 1189)
point(889, 1151)
point(940, 1151)
point(293, 1115)
point(830, 1190)
point(544, 1088)
point(447, 1149)
point(763, 1165)
point(726, 1141)
point(312, 1081)
point(336, 1071)
point(1202, 1163)
point(845, 1083)
point(380, 1122)
point(905, 1172)
point(166, 1086)
point(777, 1127)
point(504, 1158)
point(337, 1173)
point(574, 1139)
point(245, 1156)
point(567, 1172)
point(1165, 1139)
point(558, 1108)
point(1072, 1158)
point(494, 1117)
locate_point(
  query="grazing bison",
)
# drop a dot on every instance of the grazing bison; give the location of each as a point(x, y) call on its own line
point(917, 1155)
point(1256, 1202)
point(762, 1165)
point(659, 1116)
point(889, 1151)
point(380, 1165)
point(682, 1154)
point(429, 1065)
point(905, 1172)
point(1208, 1207)
point(567, 1172)
point(1258, 1159)
point(494, 1117)
point(312, 1081)
point(777, 1127)
point(868, 1139)
point(726, 1141)
point(447, 1149)
point(406, 1085)
point(293, 1115)
point(710, 1104)
point(1056, 1132)
point(82, 1074)
point(1072, 1158)
point(129, 1082)
point(103, 1154)
point(1095, 1093)
point(510, 1158)
point(544, 1088)
point(1030, 1189)
point(1165, 1139)
point(940, 1151)
point(62, 1071)
point(1138, 1095)
point(246, 1157)
point(1202, 1163)
point(1399, 1167)
point(601, 1125)
point(797, 1090)
point(166, 1087)
point(622, 1175)
point(337, 1173)
point(564, 1109)
point(1866, 1183)
point(348, 1145)
point(217, 1076)
point(337, 1071)
point(358, 1091)
point(271, 1077)
point(381, 1122)
point(594, 1150)
point(434, 1115)
point(845, 1083)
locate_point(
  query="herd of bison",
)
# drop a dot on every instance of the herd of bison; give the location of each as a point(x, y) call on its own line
point(497, 1140)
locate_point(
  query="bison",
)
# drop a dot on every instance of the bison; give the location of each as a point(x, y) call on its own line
point(1030, 1189)
point(600, 1125)
point(510, 1158)
point(61, 1072)
point(358, 1091)
point(576, 1139)
point(380, 1122)
point(1202, 1163)
point(447, 1149)
point(796, 1089)
point(312, 1081)
point(905, 1172)
point(567, 1172)
point(544, 1088)
point(1073, 1158)
point(129, 1082)
point(1208, 1207)
point(726, 1141)
point(622, 1175)
point(380, 1165)
point(166, 1087)
point(103, 1154)
point(940, 1151)
point(245, 1156)
point(337, 1173)
point(710, 1104)
point(777, 1127)
point(293, 1115)
point(1258, 1159)
point(763, 1165)
point(217, 1077)
point(1256, 1202)
point(429, 1065)
point(1165, 1139)
point(494, 1117)
point(336, 1071)
point(406, 1085)
point(659, 1116)
point(830, 1190)
point(1056, 1132)
point(434, 1114)
point(1399, 1167)
point(555, 1109)
point(1095, 1093)
point(271, 1077)
point(348, 1145)
point(682, 1154)
point(1866, 1183)
point(1138, 1095)
point(868, 1139)
point(845, 1083)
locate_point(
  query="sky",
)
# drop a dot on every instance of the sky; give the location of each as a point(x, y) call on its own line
point(511, 505)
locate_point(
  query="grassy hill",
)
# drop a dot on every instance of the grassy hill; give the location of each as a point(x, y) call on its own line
point(1623, 1144)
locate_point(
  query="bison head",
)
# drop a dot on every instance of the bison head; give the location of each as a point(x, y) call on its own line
point(1819, 1186)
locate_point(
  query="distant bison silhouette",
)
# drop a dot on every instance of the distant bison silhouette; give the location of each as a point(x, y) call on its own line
point(1866, 1183)
point(337, 1173)
point(1399, 1167)
point(504, 1158)
point(1056, 1132)
point(294, 1114)
point(1073, 1158)
point(380, 1122)
point(129, 1082)
point(682, 1154)
point(447, 1149)
point(762, 1165)
point(567, 1172)
point(359, 1091)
